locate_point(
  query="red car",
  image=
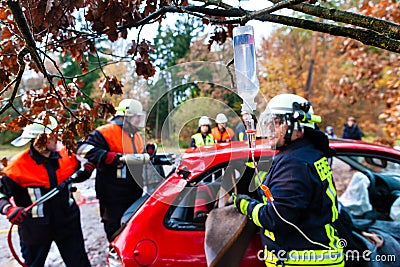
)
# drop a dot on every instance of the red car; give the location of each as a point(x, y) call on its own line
point(161, 229)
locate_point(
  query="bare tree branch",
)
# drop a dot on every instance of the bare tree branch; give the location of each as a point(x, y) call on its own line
point(381, 26)
point(365, 36)
point(17, 80)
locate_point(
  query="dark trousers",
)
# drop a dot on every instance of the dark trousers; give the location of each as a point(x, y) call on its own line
point(111, 214)
point(71, 247)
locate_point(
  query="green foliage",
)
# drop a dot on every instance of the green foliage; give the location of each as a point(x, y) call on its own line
point(72, 69)
point(172, 44)
point(7, 136)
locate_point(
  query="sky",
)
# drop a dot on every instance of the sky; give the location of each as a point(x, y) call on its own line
point(261, 29)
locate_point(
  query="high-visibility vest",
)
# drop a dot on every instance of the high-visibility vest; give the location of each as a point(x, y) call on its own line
point(199, 141)
point(24, 170)
point(219, 137)
point(120, 141)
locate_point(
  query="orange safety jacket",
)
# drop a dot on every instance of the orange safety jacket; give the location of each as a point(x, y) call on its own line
point(30, 174)
point(120, 141)
point(226, 136)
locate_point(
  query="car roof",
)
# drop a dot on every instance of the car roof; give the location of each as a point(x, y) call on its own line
point(197, 160)
point(348, 145)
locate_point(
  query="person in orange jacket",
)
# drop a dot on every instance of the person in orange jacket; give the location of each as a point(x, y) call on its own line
point(221, 132)
point(30, 175)
point(118, 185)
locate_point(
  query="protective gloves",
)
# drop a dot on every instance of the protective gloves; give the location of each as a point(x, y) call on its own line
point(16, 215)
point(84, 173)
point(112, 158)
point(241, 202)
point(135, 159)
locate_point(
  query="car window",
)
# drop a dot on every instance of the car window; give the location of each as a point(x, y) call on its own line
point(191, 207)
point(378, 169)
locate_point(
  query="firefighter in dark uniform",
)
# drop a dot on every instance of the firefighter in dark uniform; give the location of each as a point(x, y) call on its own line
point(117, 185)
point(30, 175)
point(297, 222)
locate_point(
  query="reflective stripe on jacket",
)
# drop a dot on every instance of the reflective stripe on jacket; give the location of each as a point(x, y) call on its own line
point(306, 258)
point(199, 141)
point(114, 184)
point(301, 183)
point(24, 170)
point(31, 172)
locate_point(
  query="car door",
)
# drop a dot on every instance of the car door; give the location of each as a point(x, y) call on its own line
point(186, 218)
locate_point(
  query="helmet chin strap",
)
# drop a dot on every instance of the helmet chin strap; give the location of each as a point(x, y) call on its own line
point(293, 125)
point(290, 123)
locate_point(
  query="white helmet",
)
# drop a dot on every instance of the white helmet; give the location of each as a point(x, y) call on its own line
point(204, 121)
point(292, 104)
point(33, 130)
point(129, 107)
point(221, 118)
point(293, 110)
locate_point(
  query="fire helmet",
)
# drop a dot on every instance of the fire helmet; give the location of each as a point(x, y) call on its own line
point(31, 131)
point(204, 121)
point(293, 110)
point(290, 104)
point(221, 118)
point(129, 107)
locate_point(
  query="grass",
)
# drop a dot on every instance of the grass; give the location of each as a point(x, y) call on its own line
point(9, 151)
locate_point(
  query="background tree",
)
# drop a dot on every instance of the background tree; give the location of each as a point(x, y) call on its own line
point(284, 66)
point(72, 69)
point(171, 45)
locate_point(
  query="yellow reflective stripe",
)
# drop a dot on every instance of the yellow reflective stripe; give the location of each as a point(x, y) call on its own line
point(331, 192)
point(270, 257)
point(265, 199)
point(254, 214)
point(269, 234)
point(32, 196)
point(250, 164)
point(333, 238)
point(241, 136)
point(260, 179)
point(325, 173)
point(243, 206)
point(323, 169)
point(307, 258)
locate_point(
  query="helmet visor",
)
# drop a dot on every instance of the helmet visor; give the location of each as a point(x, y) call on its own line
point(137, 119)
point(268, 122)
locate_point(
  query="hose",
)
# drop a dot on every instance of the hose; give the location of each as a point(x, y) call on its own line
point(10, 245)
